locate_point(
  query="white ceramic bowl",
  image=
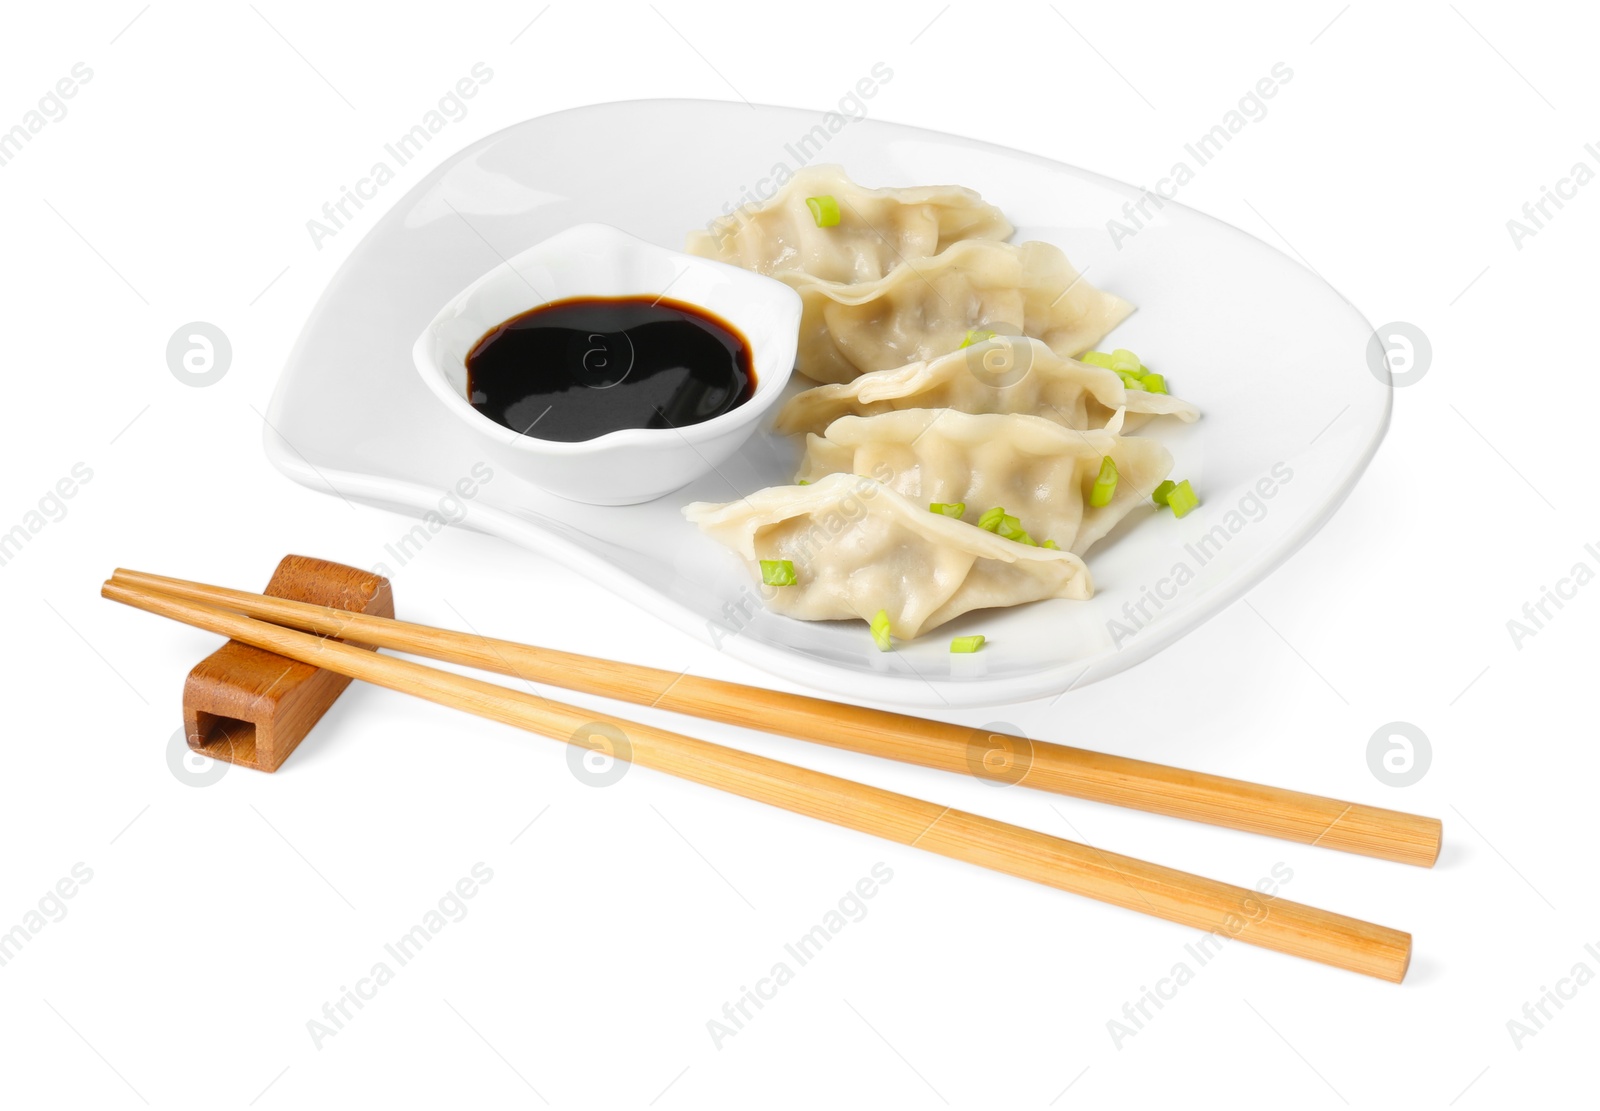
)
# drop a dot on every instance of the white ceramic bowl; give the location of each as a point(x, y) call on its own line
point(596, 260)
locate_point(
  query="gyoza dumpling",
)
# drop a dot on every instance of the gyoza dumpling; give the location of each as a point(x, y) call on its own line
point(877, 228)
point(1008, 374)
point(1040, 472)
point(926, 307)
point(859, 547)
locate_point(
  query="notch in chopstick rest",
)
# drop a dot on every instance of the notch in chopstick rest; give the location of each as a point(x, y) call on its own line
point(252, 707)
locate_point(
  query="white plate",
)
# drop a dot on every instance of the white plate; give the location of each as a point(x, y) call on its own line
point(1275, 359)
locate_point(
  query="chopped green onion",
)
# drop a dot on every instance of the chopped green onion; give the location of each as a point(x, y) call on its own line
point(1182, 498)
point(966, 644)
point(778, 572)
point(1052, 545)
point(997, 520)
point(1011, 529)
point(976, 335)
point(824, 210)
point(802, 482)
point(1105, 483)
point(1134, 374)
point(1123, 359)
point(948, 509)
point(1159, 494)
point(880, 630)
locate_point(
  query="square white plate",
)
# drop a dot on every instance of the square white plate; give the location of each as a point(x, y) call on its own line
point(1275, 359)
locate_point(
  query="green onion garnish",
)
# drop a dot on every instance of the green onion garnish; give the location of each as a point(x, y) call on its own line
point(947, 509)
point(1012, 529)
point(966, 644)
point(1134, 374)
point(778, 572)
point(997, 520)
point(1182, 498)
point(824, 210)
point(1052, 545)
point(880, 630)
point(976, 335)
point(1159, 494)
point(802, 482)
point(1123, 359)
point(1105, 483)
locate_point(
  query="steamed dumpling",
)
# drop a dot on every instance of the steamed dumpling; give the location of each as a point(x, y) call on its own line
point(926, 307)
point(858, 547)
point(877, 228)
point(1040, 472)
point(1008, 374)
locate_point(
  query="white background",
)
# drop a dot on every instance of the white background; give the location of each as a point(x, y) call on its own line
point(219, 920)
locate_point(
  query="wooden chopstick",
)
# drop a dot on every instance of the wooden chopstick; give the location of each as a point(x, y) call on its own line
point(1235, 912)
point(1234, 803)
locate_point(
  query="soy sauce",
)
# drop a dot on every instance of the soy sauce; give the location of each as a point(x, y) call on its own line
point(576, 369)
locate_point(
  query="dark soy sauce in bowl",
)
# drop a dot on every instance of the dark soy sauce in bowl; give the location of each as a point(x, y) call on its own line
point(576, 369)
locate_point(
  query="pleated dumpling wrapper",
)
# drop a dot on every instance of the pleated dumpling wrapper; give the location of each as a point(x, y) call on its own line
point(858, 547)
point(874, 230)
point(926, 307)
point(1037, 471)
point(1006, 374)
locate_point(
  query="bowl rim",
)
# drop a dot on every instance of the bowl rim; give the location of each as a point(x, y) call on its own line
point(770, 382)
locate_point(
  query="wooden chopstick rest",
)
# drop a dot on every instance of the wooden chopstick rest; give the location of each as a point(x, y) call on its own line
point(252, 707)
point(1122, 881)
point(1116, 780)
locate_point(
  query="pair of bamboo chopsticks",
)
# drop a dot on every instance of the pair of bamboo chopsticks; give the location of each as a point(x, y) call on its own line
point(1237, 912)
